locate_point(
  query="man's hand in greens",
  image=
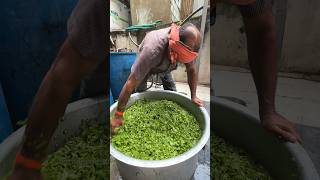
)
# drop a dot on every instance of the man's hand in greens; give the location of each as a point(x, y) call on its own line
point(116, 121)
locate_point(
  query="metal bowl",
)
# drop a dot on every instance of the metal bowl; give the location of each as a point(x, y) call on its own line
point(88, 111)
point(239, 126)
point(181, 167)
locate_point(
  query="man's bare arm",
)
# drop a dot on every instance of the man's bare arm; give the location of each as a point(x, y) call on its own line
point(126, 92)
point(192, 78)
point(261, 38)
point(193, 81)
point(128, 88)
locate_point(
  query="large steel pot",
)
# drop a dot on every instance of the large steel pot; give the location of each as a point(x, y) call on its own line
point(89, 111)
point(181, 167)
point(241, 127)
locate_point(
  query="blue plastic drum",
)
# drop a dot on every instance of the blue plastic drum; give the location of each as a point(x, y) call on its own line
point(120, 68)
point(111, 101)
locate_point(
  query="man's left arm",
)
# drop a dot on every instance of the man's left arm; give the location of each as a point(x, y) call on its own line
point(192, 81)
point(261, 41)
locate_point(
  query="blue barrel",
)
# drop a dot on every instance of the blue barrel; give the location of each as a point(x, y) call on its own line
point(111, 101)
point(120, 68)
point(5, 123)
point(31, 35)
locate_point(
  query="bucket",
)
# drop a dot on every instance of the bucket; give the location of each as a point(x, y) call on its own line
point(283, 160)
point(181, 167)
point(120, 68)
point(89, 110)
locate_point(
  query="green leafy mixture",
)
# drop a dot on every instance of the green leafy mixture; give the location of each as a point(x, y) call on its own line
point(155, 130)
point(83, 157)
point(230, 162)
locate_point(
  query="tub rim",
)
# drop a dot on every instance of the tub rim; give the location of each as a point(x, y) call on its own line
point(165, 162)
point(308, 170)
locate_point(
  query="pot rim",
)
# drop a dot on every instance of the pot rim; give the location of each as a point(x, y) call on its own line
point(171, 161)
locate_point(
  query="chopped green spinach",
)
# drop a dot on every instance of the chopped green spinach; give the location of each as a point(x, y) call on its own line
point(155, 130)
point(231, 162)
point(83, 157)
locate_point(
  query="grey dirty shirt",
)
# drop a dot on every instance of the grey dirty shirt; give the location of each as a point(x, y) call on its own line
point(153, 55)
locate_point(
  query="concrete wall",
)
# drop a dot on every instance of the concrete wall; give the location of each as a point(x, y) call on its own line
point(301, 43)
point(228, 37)
point(119, 15)
point(143, 12)
point(301, 39)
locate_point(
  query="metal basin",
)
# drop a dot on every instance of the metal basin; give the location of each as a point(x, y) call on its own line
point(239, 126)
point(90, 110)
point(181, 167)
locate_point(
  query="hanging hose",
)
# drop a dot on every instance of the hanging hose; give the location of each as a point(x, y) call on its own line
point(133, 40)
point(112, 41)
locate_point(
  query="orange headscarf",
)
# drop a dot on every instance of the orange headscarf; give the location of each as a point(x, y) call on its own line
point(176, 49)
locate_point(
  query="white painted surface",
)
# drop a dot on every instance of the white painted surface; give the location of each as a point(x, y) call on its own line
point(196, 5)
point(175, 6)
point(119, 15)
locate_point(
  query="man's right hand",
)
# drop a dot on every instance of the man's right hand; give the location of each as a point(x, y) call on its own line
point(279, 125)
point(21, 173)
point(116, 121)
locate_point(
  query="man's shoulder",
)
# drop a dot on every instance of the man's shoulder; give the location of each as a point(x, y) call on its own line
point(157, 38)
point(158, 33)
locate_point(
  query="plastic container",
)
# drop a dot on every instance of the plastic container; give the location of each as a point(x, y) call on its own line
point(120, 68)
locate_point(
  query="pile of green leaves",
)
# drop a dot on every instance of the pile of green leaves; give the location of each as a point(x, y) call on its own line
point(155, 130)
point(83, 157)
point(231, 162)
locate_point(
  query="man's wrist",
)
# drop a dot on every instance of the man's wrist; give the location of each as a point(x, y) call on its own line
point(119, 113)
point(27, 162)
point(265, 111)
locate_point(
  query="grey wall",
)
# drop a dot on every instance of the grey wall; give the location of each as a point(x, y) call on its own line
point(228, 38)
point(301, 39)
point(301, 43)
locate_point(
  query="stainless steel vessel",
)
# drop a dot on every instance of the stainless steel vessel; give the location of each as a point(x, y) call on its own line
point(181, 167)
